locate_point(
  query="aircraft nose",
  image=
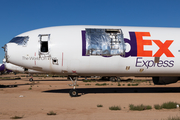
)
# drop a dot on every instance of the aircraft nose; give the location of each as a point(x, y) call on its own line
point(6, 53)
point(13, 49)
point(11, 53)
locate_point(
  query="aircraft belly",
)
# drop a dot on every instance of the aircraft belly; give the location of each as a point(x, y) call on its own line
point(128, 66)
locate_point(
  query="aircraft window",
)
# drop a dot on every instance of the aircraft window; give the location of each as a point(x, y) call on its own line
point(44, 46)
point(20, 40)
point(105, 42)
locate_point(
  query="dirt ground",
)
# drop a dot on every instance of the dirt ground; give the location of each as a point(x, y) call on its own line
point(33, 101)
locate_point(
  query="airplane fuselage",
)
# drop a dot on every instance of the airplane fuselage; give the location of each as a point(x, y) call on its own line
point(66, 50)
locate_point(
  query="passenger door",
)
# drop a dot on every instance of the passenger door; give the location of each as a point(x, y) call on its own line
point(44, 50)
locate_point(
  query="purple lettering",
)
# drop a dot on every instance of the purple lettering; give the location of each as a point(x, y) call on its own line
point(171, 63)
point(165, 63)
point(138, 62)
point(160, 63)
point(145, 63)
point(132, 42)
point(151, 63)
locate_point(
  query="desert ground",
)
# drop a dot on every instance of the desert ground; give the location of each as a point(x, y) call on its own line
point(33, 100)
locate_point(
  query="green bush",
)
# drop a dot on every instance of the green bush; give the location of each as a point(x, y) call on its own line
point(115, 108)
point(134, 84)
point(169, 105)
point(140, 107)
point(16, 117)
point(87, 84)
point(101, 84)
point(51, 113)
point(87, 81)
point(157, 107)
point(99, 105)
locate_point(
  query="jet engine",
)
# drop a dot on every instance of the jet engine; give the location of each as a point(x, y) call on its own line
point(164, 80)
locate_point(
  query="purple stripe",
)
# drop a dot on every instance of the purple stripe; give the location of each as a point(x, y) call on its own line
point(83, 43)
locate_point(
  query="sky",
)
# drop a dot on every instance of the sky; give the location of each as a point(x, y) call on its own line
point(18, 16)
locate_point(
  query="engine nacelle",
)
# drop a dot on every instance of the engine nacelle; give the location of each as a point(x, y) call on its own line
point(164, 80)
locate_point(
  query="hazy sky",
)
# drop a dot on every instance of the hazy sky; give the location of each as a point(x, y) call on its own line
point(18, 16)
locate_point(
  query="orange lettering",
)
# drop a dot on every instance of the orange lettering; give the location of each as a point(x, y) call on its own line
point(140, 44)
point(163, 48)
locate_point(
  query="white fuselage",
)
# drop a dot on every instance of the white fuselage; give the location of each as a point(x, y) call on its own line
point(66, 52)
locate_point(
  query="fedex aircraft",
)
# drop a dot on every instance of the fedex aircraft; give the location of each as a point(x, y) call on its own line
point(9, 67)
point(99, 51)
point(15, 68)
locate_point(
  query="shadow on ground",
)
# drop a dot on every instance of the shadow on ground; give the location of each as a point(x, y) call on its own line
point(15, 85)
point(121, 90)
point(8, 86)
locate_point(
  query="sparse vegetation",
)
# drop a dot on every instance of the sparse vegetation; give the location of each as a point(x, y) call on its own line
point(99, 105)
point(169, 105)
point(30, 88)
point(87, 81)
point(87, 84)
point(51, 113)
point(16, 117)
point(115, 108)
point(140, 107)
point(10, 78)
point(101, 84)
point(157, 107)
point(5, 78)
point(134, 84)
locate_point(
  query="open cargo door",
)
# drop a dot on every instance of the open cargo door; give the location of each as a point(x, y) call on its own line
point(104, 42)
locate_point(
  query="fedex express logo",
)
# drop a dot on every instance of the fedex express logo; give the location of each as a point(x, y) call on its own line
point(137, 49)
point(137, 45)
